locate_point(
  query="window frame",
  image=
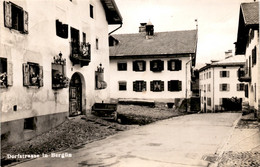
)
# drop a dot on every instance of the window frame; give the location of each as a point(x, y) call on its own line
point(177, 65)
point(91, 11)
point(224, 74)
point(160, 65)
point(141, 86)
point(177, 87)
point(121, 65)
point(136, 68)
point(122, 83)
point(160, 84)
point(28, 68)
point(227, 88)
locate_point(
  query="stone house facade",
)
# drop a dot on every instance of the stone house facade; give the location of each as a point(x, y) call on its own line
point(54, 62)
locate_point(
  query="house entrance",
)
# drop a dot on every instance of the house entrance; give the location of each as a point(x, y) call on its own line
point(75, 95)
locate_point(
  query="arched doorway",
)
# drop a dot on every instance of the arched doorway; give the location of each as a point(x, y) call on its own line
point(75, 95)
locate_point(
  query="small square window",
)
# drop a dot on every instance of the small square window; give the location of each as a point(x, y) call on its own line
point(224, 74)
point(240, 87)
point(224, 87)
point(29, 124)
point(122, 85)
point(32, 74)
point(156, 65)
point(139, 86)
point(157, 86)
point(122, 66)
point(174, 65)
point(139, 66)
point(97, 43)
point(174, 85)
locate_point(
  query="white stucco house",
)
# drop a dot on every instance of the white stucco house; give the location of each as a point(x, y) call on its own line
point(219, 84)
point(54, 62)
point(248, 44)
point(152, 65)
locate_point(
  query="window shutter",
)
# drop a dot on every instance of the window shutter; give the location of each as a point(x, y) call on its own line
point(179, 64)
point(179, 85)
point(25, 22)
point(227, 73)
point(169, 86)
point(65, 33)
point(162, 65)
point(26, 77)
point(40, 76)
point(170, 65)
point(144, 63)
point(220, 86)
point(238, 87)
point(9, 74)
point(246, 90)
point(58, 28)
point(220, 73)
point(8, 14)
point(162, 85)
point(228, 87)
point(134, 86)
point(151, 86)
point(134, 65)
point(144, 85)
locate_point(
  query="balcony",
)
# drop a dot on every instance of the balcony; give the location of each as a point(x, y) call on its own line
point(80, 53)
point(244, 74)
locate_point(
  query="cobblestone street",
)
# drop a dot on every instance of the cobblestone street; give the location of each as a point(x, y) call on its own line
point(243, 147)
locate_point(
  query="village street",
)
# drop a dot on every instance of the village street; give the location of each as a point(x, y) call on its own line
point(190, 140)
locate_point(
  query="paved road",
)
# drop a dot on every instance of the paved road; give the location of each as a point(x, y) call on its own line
point(186, 141)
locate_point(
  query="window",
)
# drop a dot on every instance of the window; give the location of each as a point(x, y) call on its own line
point(29, 124)
point(224, 87)
point(99, 78)
point(174, 85)
point(224, 74)
point(97, 43)
point(61, 29)
point(75, 45)
point(91, 10)
point(157, 86)
point(174, 65)
point(139, 65)
point(5, 73)
point(209, 88)
point(122, 85)
point(32, 74)
point(139, 86)
point(156, 65)
point(254, 56)
point(240, 87)
point(208, 101)
point(210, 74)
point(122, 66)
point(59, 79)
point(246, 90)
point(15, 17)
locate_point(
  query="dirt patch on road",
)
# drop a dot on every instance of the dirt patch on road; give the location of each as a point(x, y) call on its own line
point(78, 131)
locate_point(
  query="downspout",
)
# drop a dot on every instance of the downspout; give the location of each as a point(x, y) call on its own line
point(186, 93)
point(116, 29)
point(213, 88)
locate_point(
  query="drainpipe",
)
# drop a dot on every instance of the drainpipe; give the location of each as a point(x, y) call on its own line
point(213, 89)
point(186, 93)
point(116, 29)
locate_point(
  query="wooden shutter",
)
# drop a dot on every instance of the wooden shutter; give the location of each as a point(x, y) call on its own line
point(144, 85)
point(26, 74)
point(134, 86)
point(9, 73)
point(227, 73)
point(161, 65)
point(25, 22)
point(169, 86)
point(228, 87)
point(169, 65)
point(40, 76)
point(65, 31)
point(179, 86)
point(220, 87)
point(58, 28)
point(246, 90)
point(8, 14)
point(162, 85)
point(179, 64)
point(144, 65)
point(238, 87)
point(151, 86)
point(134, 66)
point(221, 74)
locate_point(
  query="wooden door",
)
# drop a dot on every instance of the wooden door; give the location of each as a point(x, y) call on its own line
point(75, 96)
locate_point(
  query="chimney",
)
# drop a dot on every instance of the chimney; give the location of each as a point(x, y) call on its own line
point(149, 30)
point(228, 54)
point(142, 27)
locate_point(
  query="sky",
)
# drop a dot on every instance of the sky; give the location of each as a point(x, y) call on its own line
point(217, 21)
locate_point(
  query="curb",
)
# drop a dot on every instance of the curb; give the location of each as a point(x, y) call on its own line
point(220, 151)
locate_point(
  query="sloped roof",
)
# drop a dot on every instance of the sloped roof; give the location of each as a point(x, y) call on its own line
point(250, 12)
point(113, 15)
point(238, 60)
point(248, 18)
point(162, 43)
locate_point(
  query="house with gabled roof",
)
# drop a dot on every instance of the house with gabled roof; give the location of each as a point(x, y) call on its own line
point(54, 62)
point(248, 44)
point(152, 65)
point(220, 89)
